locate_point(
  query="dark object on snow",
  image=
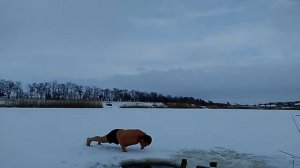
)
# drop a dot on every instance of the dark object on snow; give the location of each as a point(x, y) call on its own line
point(108, 104)
point(149, 163)
point(183, 163)
point(213, 164)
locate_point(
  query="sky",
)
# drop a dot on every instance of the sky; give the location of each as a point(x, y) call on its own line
point(240, 51)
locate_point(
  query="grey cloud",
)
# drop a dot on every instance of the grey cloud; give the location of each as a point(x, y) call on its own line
point(256, 84)
point(94, 40)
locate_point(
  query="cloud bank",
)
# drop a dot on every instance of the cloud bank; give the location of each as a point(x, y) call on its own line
point(241, 51)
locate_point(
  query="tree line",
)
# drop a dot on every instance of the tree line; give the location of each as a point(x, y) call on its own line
point(70, 91)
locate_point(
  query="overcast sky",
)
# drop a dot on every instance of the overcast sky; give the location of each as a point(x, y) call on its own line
point(241, 51)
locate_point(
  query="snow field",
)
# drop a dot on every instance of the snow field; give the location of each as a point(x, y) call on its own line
point(33, 137)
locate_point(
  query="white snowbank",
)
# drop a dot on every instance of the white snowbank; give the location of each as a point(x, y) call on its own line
point(135, 104)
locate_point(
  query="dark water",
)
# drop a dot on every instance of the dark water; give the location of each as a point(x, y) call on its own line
point(148, 166)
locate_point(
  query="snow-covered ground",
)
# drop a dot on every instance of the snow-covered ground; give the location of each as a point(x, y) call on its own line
point(48, 138)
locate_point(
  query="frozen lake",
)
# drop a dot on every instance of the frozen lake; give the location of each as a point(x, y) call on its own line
point(37, 138)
